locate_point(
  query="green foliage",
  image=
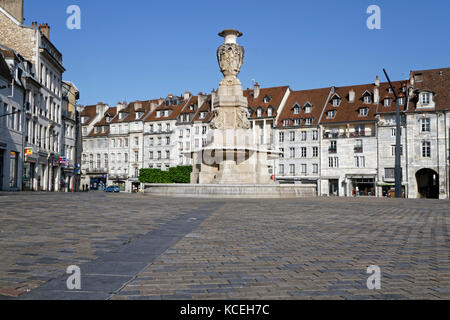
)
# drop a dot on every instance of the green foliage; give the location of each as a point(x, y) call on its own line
point(181, 174)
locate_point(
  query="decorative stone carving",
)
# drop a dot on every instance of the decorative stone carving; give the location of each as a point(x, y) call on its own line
point(218, 121)
point(230, 55)
point(242, 120)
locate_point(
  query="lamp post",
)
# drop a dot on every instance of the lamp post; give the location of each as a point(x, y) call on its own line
point(398, 168)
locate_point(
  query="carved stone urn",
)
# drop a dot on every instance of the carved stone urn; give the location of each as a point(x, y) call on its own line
point(230, 56)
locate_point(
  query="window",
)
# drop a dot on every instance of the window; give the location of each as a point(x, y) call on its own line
point(425, 124)
point(308, 121)
point(394, 132)
point(136, 156)
point(367, 99)
point(297, 122)
point(304, 169)
point(331, 114)
point(167, 140)
point(336, 102)
point(333, 162)
point(158, 114)
point(204, 129)
point(181, 133)
point(285, 123)
point(292, 152)
point(167, 102)
point(296, 109)
point(151, 154)
point(387, 102)
point(401, 101)
point(304, 135)
point(136, 141)
point(292, 136)
point(358, 146)
point(166, 113)
point(394, 148)
point(363, 112)
point(315, 152)
point(204, 142)
point(360, 162)
point(202, 115)
point(389, 173)
point(281, 169)
point(315, 168)
point(292, 169)
point(159, 141)
point(333, 147)
point(126, 157)
point(308, 108)
point(168, 127)
point(425, 98)
point(151, 142)
point(281, 136)
point(304, 152)
point(270, 112)
point(167, 154)
point(196, 143)
point(315, 135)
point(259, 113)
point(282, 153)
point(266, 99)
point(426, 149)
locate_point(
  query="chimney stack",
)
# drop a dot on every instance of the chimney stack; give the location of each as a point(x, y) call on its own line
point(45, 29)
point(256, 90)
point(351, 96)
point(14, 8)
point(376, 91)
point(187, 95)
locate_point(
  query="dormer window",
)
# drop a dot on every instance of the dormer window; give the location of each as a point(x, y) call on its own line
point(285, 123)
point(202, 115)
point(387, 102)
point(175, 102)
point(390, 90)
point(249, 112)
point(331, 114)
point(259, 112)
point(308, 121)
point(158, 114)
point(425, 98)
point(401, 101)
point(167, 102)
point(336, 102)
point(363, 112)
point(296, 109)
point(297, 122)
point(266, 99)
point(191, 108)
point(367, 99)
point(270, 112)
point(308, 108)
point(166, 113)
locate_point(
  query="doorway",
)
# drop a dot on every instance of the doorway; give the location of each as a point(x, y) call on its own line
point(334, 187)
point(2, 154)
point(427, 184)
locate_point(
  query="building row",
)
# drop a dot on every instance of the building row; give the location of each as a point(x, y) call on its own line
point(342, 139)
point(39, 139)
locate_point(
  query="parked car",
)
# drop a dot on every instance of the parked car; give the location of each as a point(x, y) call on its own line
point(112, 189)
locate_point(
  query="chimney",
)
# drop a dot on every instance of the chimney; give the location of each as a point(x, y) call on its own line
point(153, 106)
point(376, 91)
point(45, 29)
point(14, 8)
point(201, 99)
point(256, 90)
point(351, 96)
point(187, 95)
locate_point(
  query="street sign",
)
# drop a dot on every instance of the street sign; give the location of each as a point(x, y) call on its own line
point(28, 152)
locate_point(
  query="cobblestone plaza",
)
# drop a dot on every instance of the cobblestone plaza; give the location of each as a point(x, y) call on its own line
point(133, 246)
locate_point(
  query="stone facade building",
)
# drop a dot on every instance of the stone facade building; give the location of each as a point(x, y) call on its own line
point(44, 132)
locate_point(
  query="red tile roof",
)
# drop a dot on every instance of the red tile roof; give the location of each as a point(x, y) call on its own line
point(276, 95)
point(316, 98)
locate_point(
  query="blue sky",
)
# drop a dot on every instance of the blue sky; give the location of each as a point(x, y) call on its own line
point(142, 49)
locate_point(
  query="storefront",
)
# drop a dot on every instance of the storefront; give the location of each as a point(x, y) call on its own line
point(29, 174)
point(363, 186)
point(97, 183)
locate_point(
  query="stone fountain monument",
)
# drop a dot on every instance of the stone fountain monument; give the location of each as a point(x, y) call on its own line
point(231, 156)
point(231, 164)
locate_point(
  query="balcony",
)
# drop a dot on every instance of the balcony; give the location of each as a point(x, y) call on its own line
point(97, 170)
point(332, 150)
point(331, 135)
point(359, 149)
